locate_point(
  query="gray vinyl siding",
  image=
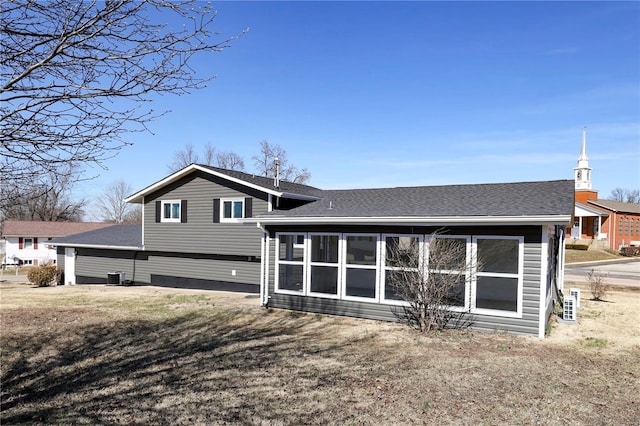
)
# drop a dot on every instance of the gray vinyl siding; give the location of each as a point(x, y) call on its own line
point(202, 268)
point(200, 234)
point(527, 325)
point(93, 265)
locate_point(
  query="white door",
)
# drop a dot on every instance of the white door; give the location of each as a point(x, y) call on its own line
point(70, 266)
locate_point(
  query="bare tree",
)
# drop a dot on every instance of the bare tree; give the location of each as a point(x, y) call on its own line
point(188, 155)
point(264, 163)
point(432, 281)
point(229, 160)
point(112, 207)
point(47, 199)
point(625, 195)
point(183, 158)
point(78, 75)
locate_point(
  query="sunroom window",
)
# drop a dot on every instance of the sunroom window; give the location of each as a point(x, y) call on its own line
point(361, 266)
point(324, 264)
point(290, 265)
point(448, 267)
point(402, 260)
point(498, 277)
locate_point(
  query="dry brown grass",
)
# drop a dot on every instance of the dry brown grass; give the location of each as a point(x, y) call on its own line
point(575, 256)
point(142, 355)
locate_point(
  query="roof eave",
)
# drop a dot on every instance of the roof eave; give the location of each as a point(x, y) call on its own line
point(97, 246)
point(413, 220)
point(138, 196)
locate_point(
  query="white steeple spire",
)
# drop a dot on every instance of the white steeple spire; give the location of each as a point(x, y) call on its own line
point(582, 172)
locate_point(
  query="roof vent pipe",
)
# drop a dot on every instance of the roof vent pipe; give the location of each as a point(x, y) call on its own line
point(276, 180)
point(330, 205)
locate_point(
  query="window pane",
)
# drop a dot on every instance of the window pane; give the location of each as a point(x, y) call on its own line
point(498, 256)
point(290, 277)
point(402, 252)
point(237, 210)
point(448, 254)
point(324, 248)
point(28, 243)
point(497, 293)
point(175, 211)
point(456, 293)
point(167, 211)
point(394, 282)
point(324, 279)
point(361, 282)
point(361, 250)
point(287, 250)
point(227, 209)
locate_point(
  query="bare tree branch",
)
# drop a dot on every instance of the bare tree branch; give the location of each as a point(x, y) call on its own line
point(265, 165)
point(77, 76)
point(112, 207)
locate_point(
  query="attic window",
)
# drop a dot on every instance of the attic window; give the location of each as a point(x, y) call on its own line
point(171, 211)
point(232, 209)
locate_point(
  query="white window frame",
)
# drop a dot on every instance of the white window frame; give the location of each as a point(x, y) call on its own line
point(232, 201)
point(519, 275)
point(279, 262)
point(339, 266)
point(346, 265)
point(24, 243)
point(384, 268)
point(467, 272)
point(171, 203)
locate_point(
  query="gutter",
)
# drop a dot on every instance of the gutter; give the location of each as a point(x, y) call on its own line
point(407, 221)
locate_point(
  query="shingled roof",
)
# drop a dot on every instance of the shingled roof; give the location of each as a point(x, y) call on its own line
point(34, 228)
point(285, 189)
point(476, 201)
point(113, 237)
point(616, 206)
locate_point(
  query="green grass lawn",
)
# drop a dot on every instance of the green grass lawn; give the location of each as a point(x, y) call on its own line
point(114, 355)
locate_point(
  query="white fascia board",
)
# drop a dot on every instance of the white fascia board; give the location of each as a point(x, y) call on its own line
point(404, 220)
point(98, 246)
point(137, 197)
point(297, 196)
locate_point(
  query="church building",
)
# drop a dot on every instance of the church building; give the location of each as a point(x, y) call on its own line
point(604, 223)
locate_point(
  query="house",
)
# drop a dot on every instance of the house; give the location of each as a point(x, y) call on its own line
point(192, 235)
point(603, 223)
point(329, 256)
point(29, 242)
point(313, 250)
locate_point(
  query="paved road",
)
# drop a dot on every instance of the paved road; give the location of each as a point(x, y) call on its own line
point(619, 272)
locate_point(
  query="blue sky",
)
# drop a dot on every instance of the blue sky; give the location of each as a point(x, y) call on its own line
point(377, 94)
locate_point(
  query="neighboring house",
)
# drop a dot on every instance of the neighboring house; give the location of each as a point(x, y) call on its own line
point(192, 234)
point(609, 224)
point(306, 249)
point(29, 242)
point(329, 256)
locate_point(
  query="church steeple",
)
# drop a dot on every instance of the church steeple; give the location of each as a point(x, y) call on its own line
point(582, 173)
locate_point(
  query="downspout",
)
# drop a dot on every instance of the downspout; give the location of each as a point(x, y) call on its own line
point(264, 259)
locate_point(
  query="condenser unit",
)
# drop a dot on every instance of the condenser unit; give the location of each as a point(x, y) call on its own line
point(115, 278)
point(569, 308)
point(575, 292)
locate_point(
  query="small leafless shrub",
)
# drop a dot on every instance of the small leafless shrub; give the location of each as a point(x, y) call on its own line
point(44, 275)
point(432, 281)
point(597, 284)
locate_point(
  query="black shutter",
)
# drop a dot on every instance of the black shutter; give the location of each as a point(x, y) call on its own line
point(216, 210)
point(183, 211)
point(158, 211)
point(248, 206)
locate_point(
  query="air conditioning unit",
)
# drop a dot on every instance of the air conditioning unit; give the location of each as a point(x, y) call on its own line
point(569, 308)
point(575, 292)
point(115, 278)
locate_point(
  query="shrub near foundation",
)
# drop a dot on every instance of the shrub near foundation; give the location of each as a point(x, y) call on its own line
point(44, 275)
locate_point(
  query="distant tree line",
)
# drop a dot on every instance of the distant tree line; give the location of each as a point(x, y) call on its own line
point(263, 162)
